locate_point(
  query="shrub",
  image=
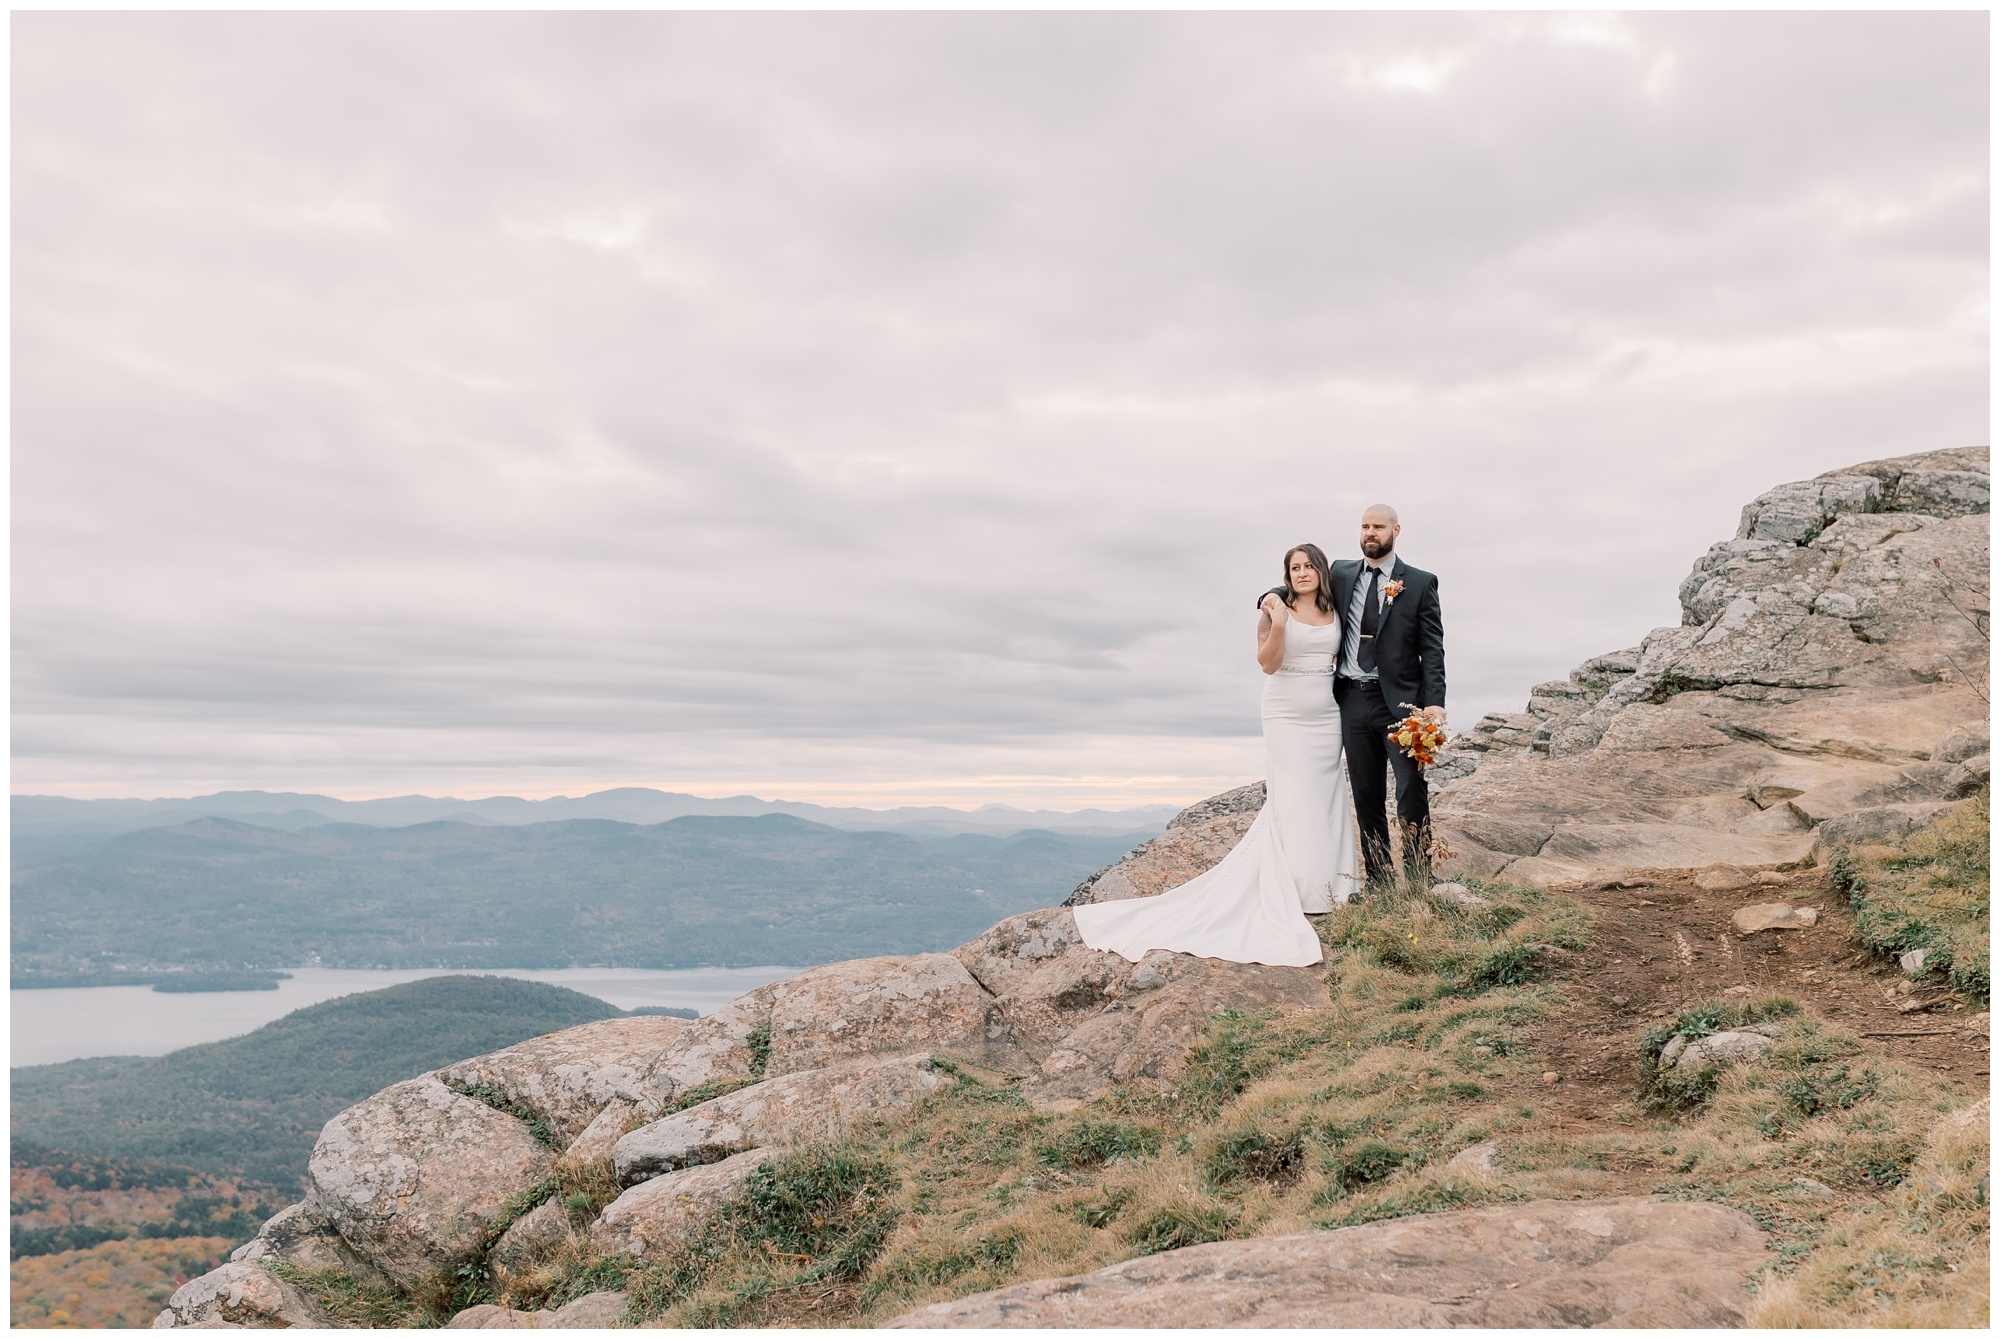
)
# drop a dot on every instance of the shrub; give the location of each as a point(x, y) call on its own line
point(349, 1301)
point(1102, 1211)
point(1930, 891)
point(928, 1268)
point(822, 1203)
point(1812, 1091)
point(1177, 1225)
point(1881, 1161)
point(1092, 1143)
point(1223, 1062)
point(1248, 1155)
point(1352, 1166)
point(1425, 1197)
point(1509, 965)
point(814, 1215)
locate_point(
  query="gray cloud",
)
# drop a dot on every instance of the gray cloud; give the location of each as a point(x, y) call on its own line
point(903, 406)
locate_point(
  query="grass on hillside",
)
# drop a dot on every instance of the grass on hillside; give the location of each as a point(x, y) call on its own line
point(1932, 891)
point(1325, 1117)
point(1874, 1198)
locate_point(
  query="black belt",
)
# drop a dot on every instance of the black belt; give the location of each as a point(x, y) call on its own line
point(1351, 680)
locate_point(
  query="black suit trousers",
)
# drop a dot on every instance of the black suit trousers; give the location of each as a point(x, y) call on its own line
point(1365, 719)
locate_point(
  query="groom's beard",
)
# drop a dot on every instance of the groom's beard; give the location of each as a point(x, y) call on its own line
point(1371, 549)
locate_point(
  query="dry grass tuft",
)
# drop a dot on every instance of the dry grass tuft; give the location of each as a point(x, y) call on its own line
point(1918, 1258)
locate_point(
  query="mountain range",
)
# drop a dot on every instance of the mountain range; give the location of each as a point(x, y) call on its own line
point(43, 821)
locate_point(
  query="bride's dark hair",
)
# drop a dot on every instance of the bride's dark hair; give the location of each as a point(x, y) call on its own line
point(1323, 597)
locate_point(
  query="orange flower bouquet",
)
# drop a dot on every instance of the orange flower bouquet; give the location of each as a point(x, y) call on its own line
point(1419, 737)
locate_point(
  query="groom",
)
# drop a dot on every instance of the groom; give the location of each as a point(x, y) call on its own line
point(1391, 659)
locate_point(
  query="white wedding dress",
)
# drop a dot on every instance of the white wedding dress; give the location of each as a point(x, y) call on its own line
point(1301, 854)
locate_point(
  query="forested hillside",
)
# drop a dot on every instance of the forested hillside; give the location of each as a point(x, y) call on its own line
point(250, 1107)
point(692, 892)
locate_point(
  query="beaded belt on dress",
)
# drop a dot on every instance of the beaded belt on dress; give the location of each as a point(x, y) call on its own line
point(1320, 671)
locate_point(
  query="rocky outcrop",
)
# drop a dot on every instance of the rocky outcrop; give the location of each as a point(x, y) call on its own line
point(1820, 689)
point(1614, 1263)
point(241, 1295)
point(801, 1107)
point(414, 1177)
point(412, 1183)
point(731, 1045)
point(1823, 674)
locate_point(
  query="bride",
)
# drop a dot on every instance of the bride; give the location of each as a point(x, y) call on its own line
point(1300, 856)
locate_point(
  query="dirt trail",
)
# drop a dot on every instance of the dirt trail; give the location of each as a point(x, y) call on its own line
point(1668, 944)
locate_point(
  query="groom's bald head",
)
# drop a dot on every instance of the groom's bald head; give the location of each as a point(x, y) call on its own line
point(1379, 528)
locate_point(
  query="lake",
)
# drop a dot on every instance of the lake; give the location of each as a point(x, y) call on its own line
point(53, 1025)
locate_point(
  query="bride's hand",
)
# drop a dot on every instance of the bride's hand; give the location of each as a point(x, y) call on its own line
point(1275, 609)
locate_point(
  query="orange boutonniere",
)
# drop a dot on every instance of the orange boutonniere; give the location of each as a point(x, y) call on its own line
point(1419, 737)
point(1391, 591)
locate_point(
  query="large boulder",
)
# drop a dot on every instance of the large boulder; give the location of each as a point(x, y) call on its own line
point(417, 1175)
point(812, 1105)
point(879, 1006)
point(667, 1211)
point(568, 1077)
point(241, 1295)
point(1610, 1263)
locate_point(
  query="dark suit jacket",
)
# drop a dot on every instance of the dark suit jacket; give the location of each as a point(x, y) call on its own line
point(1409, 649)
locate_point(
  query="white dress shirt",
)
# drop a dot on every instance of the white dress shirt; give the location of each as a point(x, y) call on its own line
point(1350, 649)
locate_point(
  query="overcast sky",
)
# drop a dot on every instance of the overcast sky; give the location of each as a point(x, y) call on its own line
point(908, 409)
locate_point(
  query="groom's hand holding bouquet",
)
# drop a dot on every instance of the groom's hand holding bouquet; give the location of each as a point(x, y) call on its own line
point(1421, 734)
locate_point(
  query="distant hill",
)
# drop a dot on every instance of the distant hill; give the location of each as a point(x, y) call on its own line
point(42, 822)
point(694, 892)
point(250, 1107)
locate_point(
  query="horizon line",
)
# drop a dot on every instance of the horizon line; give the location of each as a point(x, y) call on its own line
point(1105, 806)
